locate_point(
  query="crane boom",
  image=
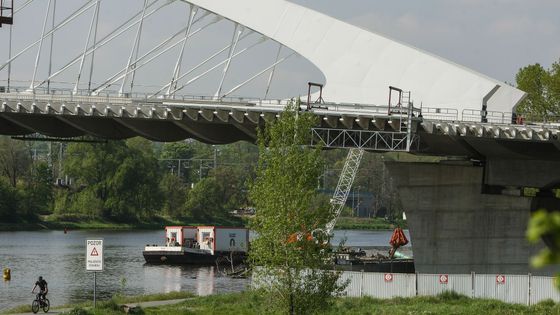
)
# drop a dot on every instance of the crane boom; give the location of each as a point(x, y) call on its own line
point(349, 171)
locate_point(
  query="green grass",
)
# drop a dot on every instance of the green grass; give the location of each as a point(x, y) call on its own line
point(250, 303)
point(449, 303)
point(108, 304)
point(355, 223)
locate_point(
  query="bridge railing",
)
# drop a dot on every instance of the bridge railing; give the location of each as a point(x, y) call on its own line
point(111, 96)
point(448, 114)
point(486, 116)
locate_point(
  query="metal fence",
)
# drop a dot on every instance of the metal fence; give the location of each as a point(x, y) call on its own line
point(518, 289)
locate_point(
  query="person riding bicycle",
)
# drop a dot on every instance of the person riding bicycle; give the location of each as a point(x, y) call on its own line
point(43, 286)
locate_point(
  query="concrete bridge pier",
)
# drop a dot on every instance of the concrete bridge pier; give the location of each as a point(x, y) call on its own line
point(456, 228)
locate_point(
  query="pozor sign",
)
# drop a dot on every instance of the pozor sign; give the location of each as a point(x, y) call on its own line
point(94, 261)
point(94, 255)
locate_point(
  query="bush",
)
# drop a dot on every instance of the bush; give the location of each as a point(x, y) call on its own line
point(447, 296)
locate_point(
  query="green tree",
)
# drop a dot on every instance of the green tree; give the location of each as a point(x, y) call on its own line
point(117, 180)
point(37, 192)
point(546, 224)
point(284, 195)
point(204, 200)
point(174, 193)
point(543, 91)
point(9, 202)
point(15, 159)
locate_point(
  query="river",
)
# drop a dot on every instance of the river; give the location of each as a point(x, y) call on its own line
point(60, 259)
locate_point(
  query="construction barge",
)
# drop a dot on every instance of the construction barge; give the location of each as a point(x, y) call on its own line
point(360, 261)
point(200, 245)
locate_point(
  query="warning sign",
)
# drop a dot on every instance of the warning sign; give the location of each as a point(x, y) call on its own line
point(388, 277)
point(501, 279)
point(443, 279)
point(94, 255)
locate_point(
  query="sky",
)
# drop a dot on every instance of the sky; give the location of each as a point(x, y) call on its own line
point(493, 37)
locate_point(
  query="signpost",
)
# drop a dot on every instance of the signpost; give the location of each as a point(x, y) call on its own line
point(94, 260)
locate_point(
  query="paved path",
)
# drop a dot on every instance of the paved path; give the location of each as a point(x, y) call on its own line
point(141, 304)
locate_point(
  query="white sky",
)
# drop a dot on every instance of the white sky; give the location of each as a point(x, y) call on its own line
point(494, 37)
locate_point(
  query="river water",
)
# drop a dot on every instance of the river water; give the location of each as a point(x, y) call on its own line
point(60, 259)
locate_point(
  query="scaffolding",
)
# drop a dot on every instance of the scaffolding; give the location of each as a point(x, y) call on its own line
point(6, 12)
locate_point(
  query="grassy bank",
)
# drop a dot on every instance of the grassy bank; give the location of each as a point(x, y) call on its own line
point(355, 223)
point(108, 304)
point(55, 222)
point(250, 303)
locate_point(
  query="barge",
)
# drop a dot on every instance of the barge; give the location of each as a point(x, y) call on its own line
point(200, 245)
point(359, 261)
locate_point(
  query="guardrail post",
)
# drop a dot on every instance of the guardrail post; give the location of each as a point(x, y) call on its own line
point(416, 284)
point(529, 290)
point(473, 289)
point(362, 284)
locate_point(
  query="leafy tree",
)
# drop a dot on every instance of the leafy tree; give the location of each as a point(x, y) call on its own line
point(294, 265)
point(173, 153)
point(15, 159)
point(119, 179)
point(543, 89)
point(9, 203)
point(37, 193)
point(546, 224)
point(174, 193)
point(204, 199)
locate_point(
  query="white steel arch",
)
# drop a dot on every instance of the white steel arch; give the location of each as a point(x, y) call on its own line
point(359, 65)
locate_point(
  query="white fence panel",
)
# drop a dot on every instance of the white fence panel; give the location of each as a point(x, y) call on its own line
point(354, 287)
point(507, 288)
point(542, 288)
point(431, 284)
point(378, 285)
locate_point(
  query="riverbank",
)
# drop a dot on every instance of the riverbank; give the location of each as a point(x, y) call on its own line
point(250, 303)
point(113, 303)
point(54, 222)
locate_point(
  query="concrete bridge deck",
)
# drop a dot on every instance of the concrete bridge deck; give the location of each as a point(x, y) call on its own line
point(440, 131)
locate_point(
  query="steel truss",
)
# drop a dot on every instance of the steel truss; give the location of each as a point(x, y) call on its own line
point(403, 141)
point(351, 166)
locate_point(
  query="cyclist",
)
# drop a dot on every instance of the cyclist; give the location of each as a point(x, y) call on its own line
point(43, 286)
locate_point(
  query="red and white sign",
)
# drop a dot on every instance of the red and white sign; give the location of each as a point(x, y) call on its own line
point(388, 277)
point(94, 255)
point(501, 279)
point(443, 279)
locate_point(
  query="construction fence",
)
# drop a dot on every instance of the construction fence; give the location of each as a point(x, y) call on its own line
point(519, 289)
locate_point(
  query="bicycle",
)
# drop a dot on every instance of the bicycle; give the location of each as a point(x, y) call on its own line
point(40, 302)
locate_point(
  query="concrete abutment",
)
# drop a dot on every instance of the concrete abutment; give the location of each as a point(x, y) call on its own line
point(455, 228)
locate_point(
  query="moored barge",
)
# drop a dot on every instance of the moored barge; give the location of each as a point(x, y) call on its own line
point(200, 245)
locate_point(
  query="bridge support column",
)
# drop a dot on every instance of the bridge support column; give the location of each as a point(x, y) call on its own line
point(455, 228)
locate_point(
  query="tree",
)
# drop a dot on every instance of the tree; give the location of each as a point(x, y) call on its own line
point(543, 91)
point(9, 203)
point(174, 192)
point(117, 180)
point(15, 159)
point(546, 225)
point(293, 265)
point(204, 199)
point(37, 193)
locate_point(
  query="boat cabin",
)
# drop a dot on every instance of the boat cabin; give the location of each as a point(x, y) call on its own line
point(213, 239)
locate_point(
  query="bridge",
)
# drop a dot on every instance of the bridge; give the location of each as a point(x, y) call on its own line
point(466, 213)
